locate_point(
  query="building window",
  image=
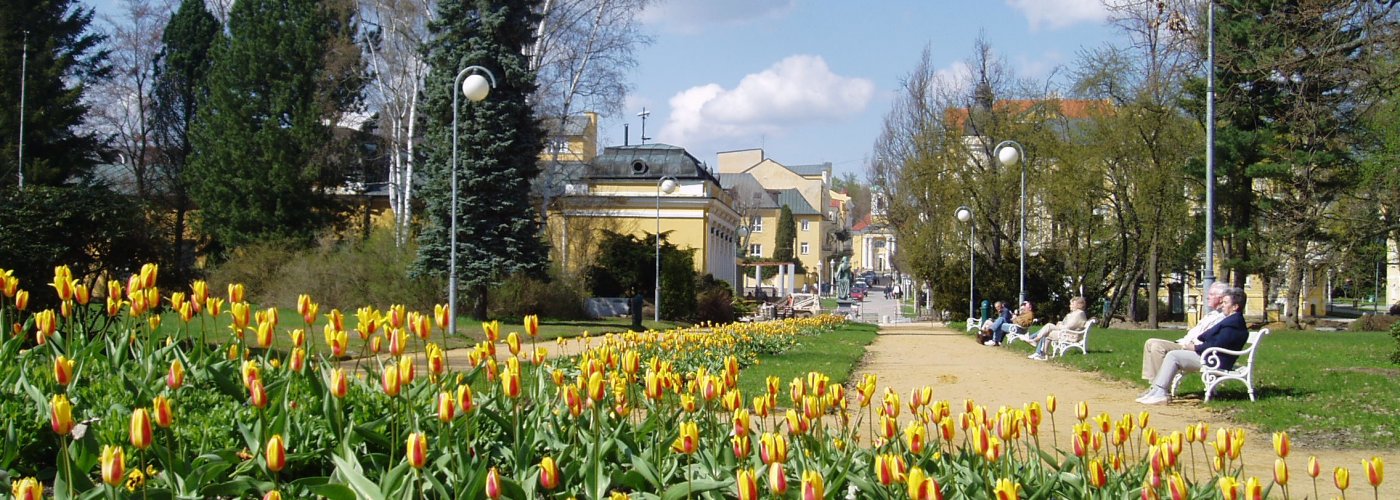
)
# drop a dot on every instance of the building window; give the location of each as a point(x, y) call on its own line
point(756, 250)
point(805, 248)
point(806, 224)
point(756, 224)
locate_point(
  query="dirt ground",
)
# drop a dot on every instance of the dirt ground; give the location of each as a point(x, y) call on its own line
point(910, 355)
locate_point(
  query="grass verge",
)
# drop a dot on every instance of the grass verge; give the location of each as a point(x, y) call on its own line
point(1327, 389)
point(833, 353)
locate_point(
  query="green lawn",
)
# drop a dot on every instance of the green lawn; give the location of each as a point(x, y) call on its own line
point(1335, 389)
point(833, 353)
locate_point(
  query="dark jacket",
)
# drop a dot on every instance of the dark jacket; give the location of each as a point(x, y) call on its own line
point(1231, 333)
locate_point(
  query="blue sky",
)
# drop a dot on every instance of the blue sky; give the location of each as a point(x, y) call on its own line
point(810, 81)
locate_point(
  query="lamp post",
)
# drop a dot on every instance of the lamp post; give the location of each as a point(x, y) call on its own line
point(1209, 277)
point(1010, 153)
point(740, 251)
point(666, 185)
point(964, 214)
point(475, 87)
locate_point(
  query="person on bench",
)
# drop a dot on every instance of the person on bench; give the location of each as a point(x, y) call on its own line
point(1155, 350)
point(993, 323)
point(1066, 329)
point(1230, 333)
point(1024, 317)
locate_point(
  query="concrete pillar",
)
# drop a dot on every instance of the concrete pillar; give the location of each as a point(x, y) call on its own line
point(757, 278)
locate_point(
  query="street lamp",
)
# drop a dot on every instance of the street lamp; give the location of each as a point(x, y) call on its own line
point(664, 185)
point(475, 87)
point(964, 214)
point(1209, 277)
point(1010, 153)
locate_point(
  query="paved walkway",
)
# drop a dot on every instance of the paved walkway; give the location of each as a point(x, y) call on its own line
point(910, 355)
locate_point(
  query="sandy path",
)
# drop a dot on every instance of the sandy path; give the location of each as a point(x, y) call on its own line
point(906, 356)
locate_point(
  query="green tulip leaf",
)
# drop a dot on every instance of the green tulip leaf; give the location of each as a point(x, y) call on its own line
point(349, 470)
point(334, 491)
point(686, 489)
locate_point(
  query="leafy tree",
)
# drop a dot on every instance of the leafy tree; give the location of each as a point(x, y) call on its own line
point(180, 73)
point(500, 140)
point(627, 262)
point(787, 234)
point(63, 58)
point(263, 135)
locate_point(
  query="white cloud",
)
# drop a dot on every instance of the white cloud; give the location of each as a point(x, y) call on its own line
point(693, 16)
point(798, 90)
point(1060, 13)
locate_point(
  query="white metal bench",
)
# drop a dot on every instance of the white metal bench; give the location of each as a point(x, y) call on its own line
point(972, 324)
point(1059, 347)
point(1243, 371)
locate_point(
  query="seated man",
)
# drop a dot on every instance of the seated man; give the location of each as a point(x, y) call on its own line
point(1155, 350)
point(1230, 333)
point(1024, 317)
point(1073, 321)
point(994, 323)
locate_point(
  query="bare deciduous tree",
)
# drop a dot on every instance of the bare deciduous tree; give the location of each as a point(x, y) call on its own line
point(121, 106)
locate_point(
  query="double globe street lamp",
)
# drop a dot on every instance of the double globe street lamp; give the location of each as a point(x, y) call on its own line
point(475, 87)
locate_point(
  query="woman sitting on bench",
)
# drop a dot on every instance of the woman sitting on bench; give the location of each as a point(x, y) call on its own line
point(1073, 322)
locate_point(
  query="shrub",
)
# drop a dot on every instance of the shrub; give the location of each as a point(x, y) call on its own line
point(1395, 309)
point(714, 301)
point(1373, 323)
point(341, 274)
point(555, 299)
point(1395, 333)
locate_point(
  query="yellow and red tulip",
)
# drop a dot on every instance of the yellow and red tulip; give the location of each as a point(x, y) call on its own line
point(340, 383)
point(437, 360)
point(741, 445)
point(1281, 471)
point(257, 394)
point(63, 283)
point(1007, 490)
point(549, 474)
point(1229, 488)
point(397, 315)
point(113, 465)
point(417, 450)
point(61, 415)
point(297, 359)
point(1098, 477)
point(276, 453)
point(532, 325)
point(493, 484)
point(27, 489)
point(81, 294)
point(446, 407)
point(272, 495)
point(465, 402)
point(164, 416)
point(1281, 444)
point(63, 370)
point(772, 448)
point(1375, 471)
point(890, 469)
point(688, 441)
point(1314, 468)
point(777, 479)
point(407, 370)
point(747, 484)
point(141, 428)
point(389, 380)
point(813, 487)
point(366, 322)
point(492, 329)
point(1176, 486)
point(22, 301)
point(1253, 489)
point(513, 343)
point(1341, 477)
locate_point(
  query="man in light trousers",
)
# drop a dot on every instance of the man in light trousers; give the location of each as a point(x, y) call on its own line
point(1155, 350)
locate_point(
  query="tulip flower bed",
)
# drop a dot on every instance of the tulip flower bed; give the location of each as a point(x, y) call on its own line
point(98, 406)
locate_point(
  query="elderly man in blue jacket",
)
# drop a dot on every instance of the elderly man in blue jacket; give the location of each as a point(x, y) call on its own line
point(1230, 333)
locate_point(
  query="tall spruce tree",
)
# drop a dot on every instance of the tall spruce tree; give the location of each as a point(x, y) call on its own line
point(787, 234)
point(261, 166)
point(500, 140)
point(181, 70)
point(63, 57)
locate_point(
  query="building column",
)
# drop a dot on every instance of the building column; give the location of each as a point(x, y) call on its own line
point(757, 278)
point(791, 277)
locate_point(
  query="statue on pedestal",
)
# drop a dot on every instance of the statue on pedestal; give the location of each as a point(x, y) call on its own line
point(843, 279)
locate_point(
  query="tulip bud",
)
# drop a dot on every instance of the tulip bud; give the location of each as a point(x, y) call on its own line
point(813, 487)
point(63, 370)
point(1314, 468)
point(1342, 478)
point(113, 465)
point(446, 409)
point(747, 484)
point(1281, 471)
point(1375, 471)
point(141, 428)
point(549, 474)
point(493, 484)
point(257, 394)
point(1281, 445)
point(689, 439)
point(276, 453)
point(272, 495)
point(417, 453)
point(1007, 490)
point(390, 380)
point(164, 416)
point(61, 415)
point(777, 479)
point(340, 384)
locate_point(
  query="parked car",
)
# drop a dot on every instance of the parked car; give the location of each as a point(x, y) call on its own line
point(859, 290)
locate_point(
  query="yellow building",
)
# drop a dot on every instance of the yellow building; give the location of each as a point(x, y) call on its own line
point(622, 191)
point(761, 187)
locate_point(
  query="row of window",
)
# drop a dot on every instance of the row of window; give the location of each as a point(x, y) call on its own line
point(756, 249)
point(756, 224)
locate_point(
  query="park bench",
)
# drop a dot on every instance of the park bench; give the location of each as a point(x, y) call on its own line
point(1243, 371)
point(1081, 341)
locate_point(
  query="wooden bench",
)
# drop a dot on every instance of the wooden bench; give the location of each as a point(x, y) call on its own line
point(1211, 373)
